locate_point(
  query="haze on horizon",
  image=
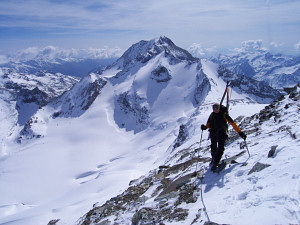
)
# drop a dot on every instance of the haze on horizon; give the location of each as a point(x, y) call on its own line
point(121, 23)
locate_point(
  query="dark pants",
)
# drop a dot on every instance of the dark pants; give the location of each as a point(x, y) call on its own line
point(217, 146)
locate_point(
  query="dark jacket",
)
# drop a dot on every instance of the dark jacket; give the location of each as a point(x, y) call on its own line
point(217, 122)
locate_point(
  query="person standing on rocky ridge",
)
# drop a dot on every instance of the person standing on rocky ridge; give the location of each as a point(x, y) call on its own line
point(217, 124)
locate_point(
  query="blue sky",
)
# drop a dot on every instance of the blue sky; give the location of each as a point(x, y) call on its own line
point(98, 23)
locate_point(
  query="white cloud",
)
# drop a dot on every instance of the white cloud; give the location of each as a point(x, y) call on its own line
point(276, 45)
point(251, 46)
point(52, 53)
point(135, 14)
point(3, 59)
point(29, 53)
point(211, 22)
point(297, 46)
point(198, 51)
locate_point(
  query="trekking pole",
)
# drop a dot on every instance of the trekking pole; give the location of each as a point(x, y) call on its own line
point(247, 148)
point(201, 182)
point(202, 200)
point(195, 173)
point(198, 151)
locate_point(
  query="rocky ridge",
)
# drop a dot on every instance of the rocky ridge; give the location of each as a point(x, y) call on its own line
point(167, 194)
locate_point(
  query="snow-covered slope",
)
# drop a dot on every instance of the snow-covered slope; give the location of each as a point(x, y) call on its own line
point(21, 96)
point(261, 187)
point(112, 127)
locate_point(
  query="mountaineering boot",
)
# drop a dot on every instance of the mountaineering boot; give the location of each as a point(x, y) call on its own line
point(218, 167)
point(212, 162)
point(214, 167)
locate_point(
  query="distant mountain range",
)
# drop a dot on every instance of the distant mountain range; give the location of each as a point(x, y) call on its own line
point(74, 62)
point(279, 71)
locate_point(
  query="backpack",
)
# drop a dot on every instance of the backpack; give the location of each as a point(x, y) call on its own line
point(223, 109)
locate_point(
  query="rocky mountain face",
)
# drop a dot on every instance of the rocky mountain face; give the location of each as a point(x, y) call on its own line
point(51, 84)
point(28, 86)
point(72, 103)
point(24, 94)
point(174, 191)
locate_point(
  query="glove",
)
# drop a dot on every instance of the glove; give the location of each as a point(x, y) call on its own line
point(243, 135)
point(203, 127)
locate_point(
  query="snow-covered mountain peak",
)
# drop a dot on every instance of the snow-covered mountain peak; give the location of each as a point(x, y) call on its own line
point(143, 51)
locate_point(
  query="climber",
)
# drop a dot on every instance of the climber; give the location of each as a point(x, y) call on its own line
point(217, 122)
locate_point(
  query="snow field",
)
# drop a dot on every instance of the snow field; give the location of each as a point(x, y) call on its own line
point(89, 159)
